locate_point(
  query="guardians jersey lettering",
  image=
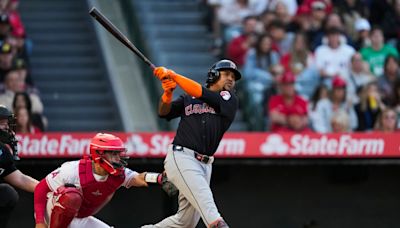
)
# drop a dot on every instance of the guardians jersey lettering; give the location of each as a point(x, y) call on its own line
point(204, 120)
point(198, 109)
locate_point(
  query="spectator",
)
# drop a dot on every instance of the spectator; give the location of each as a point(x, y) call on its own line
point(325, 5)
point(334, 57)
point(290, 5)
point(340, 122)
point(282, 105)
point(22, 100)
point(301, 22)
point(351, 11)
point(282, 40)
point(297, 121)
point(362, 28)
point(358, 77)
point(369, 107)
point(378, 9)
point(327, 107)
point(318, 16)
point(387, 121)
point(5, 27)
point(396, 99)
point(390, 76)
point(14, 83)
point(239, 46)
point(332, 21)
point(3, 5)
point(300, 61)
point(212, 7)
point(24, 122)
point(6, 58)
point(20, 66)
point(266, 18)
point(320, 93)
point(391, 24)
point(16, 24)
point(260, 67)
point(17, 41)
point(375, 54)
point(231, 16)
point(281, 11)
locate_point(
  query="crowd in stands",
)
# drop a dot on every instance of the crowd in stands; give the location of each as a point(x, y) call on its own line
point(17, 89)
point(313, 65)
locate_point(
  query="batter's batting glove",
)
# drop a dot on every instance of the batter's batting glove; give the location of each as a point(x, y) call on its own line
point(166, 185)
point(168, 86)
point(163, 73)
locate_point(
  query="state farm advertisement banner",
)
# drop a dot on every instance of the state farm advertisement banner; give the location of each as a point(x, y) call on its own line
point(233, 145)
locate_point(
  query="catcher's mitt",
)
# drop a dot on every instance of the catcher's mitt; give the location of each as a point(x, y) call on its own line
point(166, 185)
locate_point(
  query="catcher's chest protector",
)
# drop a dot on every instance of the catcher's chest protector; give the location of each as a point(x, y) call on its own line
point(95, 194)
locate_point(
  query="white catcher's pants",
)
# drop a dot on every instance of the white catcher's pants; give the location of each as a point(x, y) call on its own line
point(87, 222)
point(192, 178)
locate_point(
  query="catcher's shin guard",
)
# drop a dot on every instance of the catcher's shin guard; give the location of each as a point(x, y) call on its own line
point(69, 200)
point(219, 224)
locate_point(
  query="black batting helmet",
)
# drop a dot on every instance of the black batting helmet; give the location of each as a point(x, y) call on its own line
point(213, 73)
point(7, 136)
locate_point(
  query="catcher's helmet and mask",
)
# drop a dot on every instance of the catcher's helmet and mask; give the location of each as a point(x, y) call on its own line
point(7, 134)
point(213, 74)
point(103, 144)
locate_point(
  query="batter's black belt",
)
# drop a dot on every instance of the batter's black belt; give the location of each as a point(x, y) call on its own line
point(200, 157)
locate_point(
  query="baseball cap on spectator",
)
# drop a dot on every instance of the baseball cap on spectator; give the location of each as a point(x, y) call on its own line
point(287, 78)
point(18, 32)
point(338, 82)
point(303, 10)
point(18, 63)
point(4, 19)
point(5, 48)
point(362, 24)
point(318, 5)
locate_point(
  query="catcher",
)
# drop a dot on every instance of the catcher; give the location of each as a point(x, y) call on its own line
point(70, 195)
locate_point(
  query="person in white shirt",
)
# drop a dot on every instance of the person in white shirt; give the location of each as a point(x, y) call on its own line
point(334, 57)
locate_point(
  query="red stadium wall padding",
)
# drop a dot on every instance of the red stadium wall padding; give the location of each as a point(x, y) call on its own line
point(233, 145)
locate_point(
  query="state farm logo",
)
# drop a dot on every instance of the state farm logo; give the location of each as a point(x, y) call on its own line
point(321, 145)
point(274, 144)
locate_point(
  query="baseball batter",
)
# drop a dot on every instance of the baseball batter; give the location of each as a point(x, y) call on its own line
point(70, 195)
point(206, 113)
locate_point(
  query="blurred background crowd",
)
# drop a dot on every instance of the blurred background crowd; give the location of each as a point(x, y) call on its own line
point(313, 65)
point(17, 87)
point(308, 65)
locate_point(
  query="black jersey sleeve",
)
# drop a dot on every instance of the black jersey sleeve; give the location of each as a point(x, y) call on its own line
point(225, 103)
point(176, 109)
point(7, 164)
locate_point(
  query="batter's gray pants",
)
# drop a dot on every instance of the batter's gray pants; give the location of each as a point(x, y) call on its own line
point(192, 178)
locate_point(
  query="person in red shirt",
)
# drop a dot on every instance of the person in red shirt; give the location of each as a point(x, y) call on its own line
point(281, 106)
point(297, 121)
point(239, 46)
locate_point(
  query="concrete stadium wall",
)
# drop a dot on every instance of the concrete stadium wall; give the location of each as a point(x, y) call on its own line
point(263, 196)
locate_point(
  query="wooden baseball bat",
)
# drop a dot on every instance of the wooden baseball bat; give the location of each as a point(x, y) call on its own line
point(118, 34)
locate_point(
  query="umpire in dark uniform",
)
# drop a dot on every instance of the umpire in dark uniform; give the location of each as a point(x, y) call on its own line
point(9, 174)
point(206, 114)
